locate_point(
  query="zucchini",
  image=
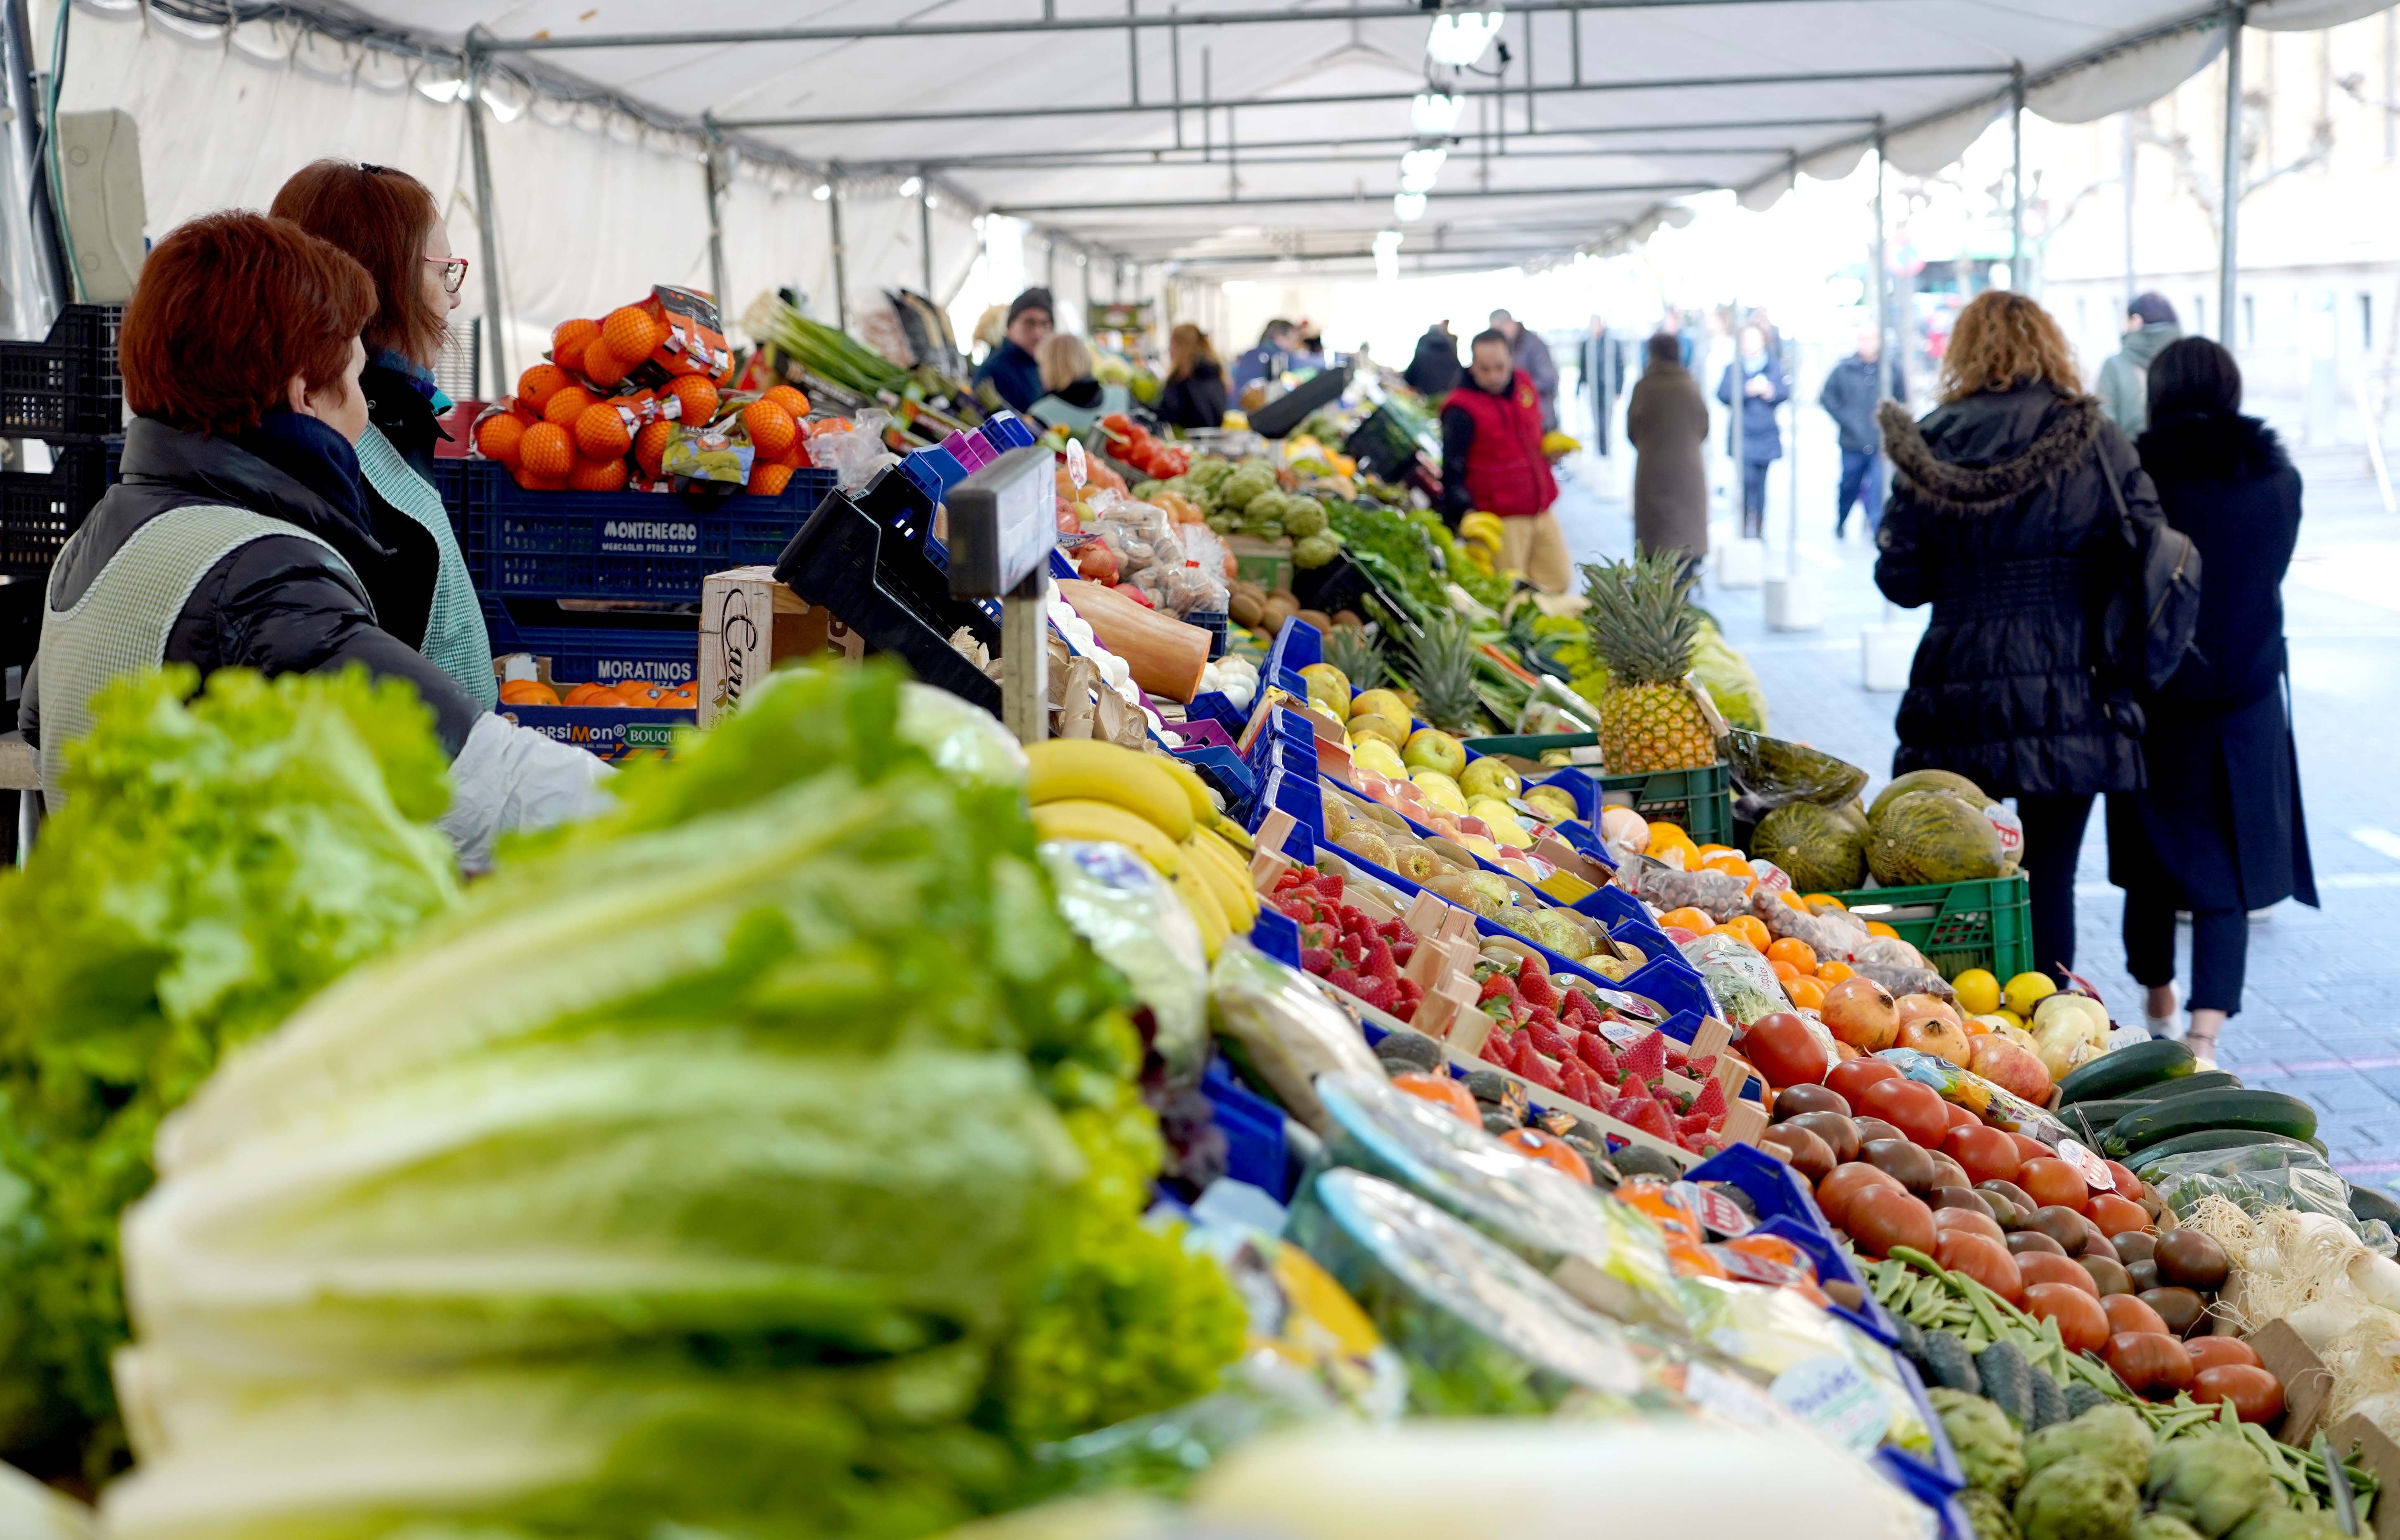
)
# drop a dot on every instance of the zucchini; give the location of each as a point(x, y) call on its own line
point(2207, 1140)
point(2126, 1070)
point(2368, 1202)
point(2184, 1085)
point(2262, 1111)
point(2089, 1120)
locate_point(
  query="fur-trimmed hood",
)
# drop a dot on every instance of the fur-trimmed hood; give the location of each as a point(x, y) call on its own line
point(1981, 455)
point(2209, 446)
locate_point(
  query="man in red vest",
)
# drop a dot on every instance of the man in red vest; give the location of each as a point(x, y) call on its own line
point(1491, 458)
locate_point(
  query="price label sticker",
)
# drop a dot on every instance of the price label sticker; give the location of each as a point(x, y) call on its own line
point(2090, 1166)
point(1832, 1393)
point(1077, 467)
point(1721, 1214)
point(1772, 879)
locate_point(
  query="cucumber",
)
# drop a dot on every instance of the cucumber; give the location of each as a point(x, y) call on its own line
point(2207, 1140)
point(2126, 1070)
point(2088, 1121)
point(2369, 1203)
point(2208, 1079)
point(2262, 1111)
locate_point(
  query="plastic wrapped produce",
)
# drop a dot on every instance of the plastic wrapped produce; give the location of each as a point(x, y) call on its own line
point(1829, 933)
point(1720, 896)
point(1731, 684)
point(1770, 771)
point(2259, 1178)
point(1739, 979)
point(2000, 1108)
point(1281, 1030)
point(1907, 981)
point(1139, 928)
point(1815, 1364)
point(1603, 1252)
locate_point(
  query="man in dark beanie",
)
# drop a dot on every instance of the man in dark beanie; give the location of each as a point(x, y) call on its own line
point(1012, 369)
point(2123, 383)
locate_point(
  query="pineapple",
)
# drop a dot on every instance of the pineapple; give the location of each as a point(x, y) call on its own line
point(1644, 630)
point(1356, 651)
point(1439, 667)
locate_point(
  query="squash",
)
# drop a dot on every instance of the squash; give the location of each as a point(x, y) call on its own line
point(1165, 655)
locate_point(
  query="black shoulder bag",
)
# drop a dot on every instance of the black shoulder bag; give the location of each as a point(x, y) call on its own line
point(2154, 613)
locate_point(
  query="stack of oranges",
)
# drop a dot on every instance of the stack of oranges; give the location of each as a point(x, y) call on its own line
point(639, 694)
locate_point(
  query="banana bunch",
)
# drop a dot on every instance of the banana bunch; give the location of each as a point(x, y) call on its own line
point(1479, 538)
point(1160, 809)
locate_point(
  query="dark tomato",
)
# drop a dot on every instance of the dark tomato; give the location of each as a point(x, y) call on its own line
point(1782, 1050)
point(2133, 1247)
point(2082, 1325)
point(2212, 1352)
point(1881, 1219)
point(1792, 1100)
point(2145, 1274)
point(1960, 1117)
point(1839, 1133)
point(1987, 1154)
point(1871, 1129)
point(2011, 1190)
point(1909, 1164)
point(1852, 1076)
point(2150, 1362)
point(2180, 1308)
point(2257, 1396)
point(2129, 1186)
point(2041, 1267)
point(2128, 1314)
point(2109, 1275)
point(2191, 1258)
point(1915, 1110)
point(1957, 1197)
point(1833, 1194)
point(1948, 1172)
point(2053, 1181)
point(1981, 1259)
point(1803, 1151)
point(1974, 1221)
point(2116, 1215)
point(2096, 1244)
point(2022, 1241)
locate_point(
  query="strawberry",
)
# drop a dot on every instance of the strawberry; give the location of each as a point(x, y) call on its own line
point(1701, 1068)
point(1293, 910)
point(1651, 1119)
point(1534, 986)
point(1690, 1125)
point(1498, 987)
point(1330, 884)
point(1577, 1082)
point(1547, 1038)
point(1343, 980)
point(1316, 959)
point(1495, 1051)
point(1410, 989)
point(1402, 951)
point(1497, 1008)
point(1380, 960)
point(1709, 1104)
point(1290, 878)
point(1623, 1108)
point(1647, 1059)
point(1377, 990)
point(1406, 1010)
point(1593, 1050)
point(1539, 1071)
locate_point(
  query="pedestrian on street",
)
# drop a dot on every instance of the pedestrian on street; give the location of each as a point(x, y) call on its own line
point(2218, 830)
point(1600, 379)
point(1760, 443)
point(2002, 518)
point(1533, 359)
point(1435, 372)
point(2124, 398)
point(1666, 423)
point(1852, 392)
point(1491, 458)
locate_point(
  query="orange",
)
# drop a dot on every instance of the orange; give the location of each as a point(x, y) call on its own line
point(537, 384)
point(1549, 1150)
point(1707, 851)
point(600, 432)
point(683, 696)
point(602, 367)
point(566, 404)
point(1877, 927)
point(1793, 899)
point(1821, 902)
point(631, 335)
point(1796, 951)
point(598, 475)
point(697, 394)
point(651, 447)
point(1729, 861)
point(789, 398)
point(1443, 1092)
point(1749, 928)
point(837, 425)
point(527, 693)
point(1694, 921)
point(1833, 973)
point(567, 339)
point(641, 694)
point(532, 483)
point(769, 479)
point(770, 428)
point(499, 437)
point(1806, 994)
point(590, 695)
point(1974, 1027)
point(546, 451)
point(1784, 971)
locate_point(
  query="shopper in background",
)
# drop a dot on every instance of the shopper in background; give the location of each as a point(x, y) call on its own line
point(1071, 399)
point(1434, 372)
point(387, 221)
point(1268, 360)
point(1666, 423)
point(2218, 830)
point(1012, 368)
point(2001, 518)
point(1193, 395)
point(1760, 443)
point(241, 535)
point(1491, 458)
point(1533, 359)
point(2124, 397)
point(1599, 370)
point(1852, 392)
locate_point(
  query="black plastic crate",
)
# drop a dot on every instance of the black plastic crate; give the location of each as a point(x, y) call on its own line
point(596, 648)
point(65, 387)
point(39, 509)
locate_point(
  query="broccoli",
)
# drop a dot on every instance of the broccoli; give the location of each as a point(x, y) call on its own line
point(2078, 1498)
point(1314, 550)
point(2114, 1434)
point(1987, 1444)
point(1987, 1513)
point(2211, 1481)
point(1303, 516)
point(2163, 1526)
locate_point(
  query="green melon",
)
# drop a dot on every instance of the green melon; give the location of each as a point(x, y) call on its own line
point(1815, 845)
point(1933, 837)
point(1924, 780)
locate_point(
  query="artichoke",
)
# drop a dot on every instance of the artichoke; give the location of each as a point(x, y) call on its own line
point(2211, 1481)
point(2078, 1498)
point(1987, 1443)
point(2113, 1435)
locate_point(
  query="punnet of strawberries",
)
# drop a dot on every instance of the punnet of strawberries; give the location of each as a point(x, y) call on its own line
point(1555, 1033)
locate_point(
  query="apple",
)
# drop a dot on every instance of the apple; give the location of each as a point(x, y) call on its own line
point(1861, 1013)
point(2014, 1069)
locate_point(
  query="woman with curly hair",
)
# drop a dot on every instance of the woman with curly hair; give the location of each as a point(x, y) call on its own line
point(2003, 518)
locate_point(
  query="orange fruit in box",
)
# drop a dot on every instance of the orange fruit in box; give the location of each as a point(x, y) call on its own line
point(1830, 974)
point(527, 693)
point(536, 386)
point(1694, 921)
point(682, 697)
point(789, 398)
point(500, 436)
point(600, 366)
point(566, 404)
point(1806, 994)
point(546, 451)
point(631, 335)
point(1784, 973)
point(767, 479)
point(538, 483)
point(797, 457)
point(598, 475)
point(640, 694)
point(590, 695)
point(1877, 927)
point(1794, 950)
point(1750, 929)
point(600, 432)
point(698, 396)
point(651, 447)
point(770, 428)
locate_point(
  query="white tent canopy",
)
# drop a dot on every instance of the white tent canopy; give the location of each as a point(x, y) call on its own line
point(1209, 134)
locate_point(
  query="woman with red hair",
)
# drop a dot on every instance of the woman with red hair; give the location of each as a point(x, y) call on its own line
point(239, 534)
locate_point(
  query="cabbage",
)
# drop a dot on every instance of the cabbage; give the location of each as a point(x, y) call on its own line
point(964, 739)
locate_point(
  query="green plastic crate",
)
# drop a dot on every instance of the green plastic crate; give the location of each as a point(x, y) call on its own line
point(1530, 746)
point(1957, 925)
point(1698, 801)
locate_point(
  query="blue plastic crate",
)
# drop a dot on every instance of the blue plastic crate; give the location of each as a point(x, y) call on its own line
point(1255, 1147)
point(1667, 977)
point(1934, 1479)
point(600, 654)
point(1786, 1205)
point(618, 545)
point(1223, 769)
point(1277, 934)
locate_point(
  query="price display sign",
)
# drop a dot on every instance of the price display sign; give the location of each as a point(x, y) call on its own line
point(1002, 526)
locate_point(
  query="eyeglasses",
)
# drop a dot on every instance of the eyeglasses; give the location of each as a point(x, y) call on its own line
point(453, 272)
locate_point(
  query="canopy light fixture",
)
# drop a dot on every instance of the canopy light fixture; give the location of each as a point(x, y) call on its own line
point(824, 192)
point(1458, 38)
point(1407, 207)
point(910, 187)
point(1433, 114)
point(1418, 168)
point(1387, 255)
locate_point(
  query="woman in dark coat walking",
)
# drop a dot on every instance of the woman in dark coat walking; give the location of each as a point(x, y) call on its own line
point(2001, 519)
point(1759, 443)
point(2218, 831)
point(1666, 423)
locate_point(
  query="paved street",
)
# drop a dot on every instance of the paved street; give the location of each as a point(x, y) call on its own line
point(2320, 1018)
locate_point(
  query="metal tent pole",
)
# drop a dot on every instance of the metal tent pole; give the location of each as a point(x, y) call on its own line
point(487, 222)
point(1879, 284)
point(925, 226)
point(840, 272)
point(34, 312)
point(1733, 429)
point(2017, 179)
point(2133, 278)
point(2230, 202)
point(715, 165)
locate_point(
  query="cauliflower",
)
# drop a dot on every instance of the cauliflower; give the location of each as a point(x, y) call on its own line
point(2078, 1498)
point(1988, 1514)
point(2211, 1481)
point(2114, 1434)
point(1987, 1443)
point(1314, 550)
point(1303, 516)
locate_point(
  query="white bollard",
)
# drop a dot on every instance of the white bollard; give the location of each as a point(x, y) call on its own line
point(1794, 603)
point(1740, 564)
point(1885, 654)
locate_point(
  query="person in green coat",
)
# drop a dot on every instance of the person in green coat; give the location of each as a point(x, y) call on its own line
point(2123, 383)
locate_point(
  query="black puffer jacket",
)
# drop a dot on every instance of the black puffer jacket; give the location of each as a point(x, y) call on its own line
point(278, 605)
point(2000, 520)
point(404, 415)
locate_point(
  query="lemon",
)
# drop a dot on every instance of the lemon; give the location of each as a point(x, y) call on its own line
point(2011, 1018)
point(2028, 990)
point(1978, 992)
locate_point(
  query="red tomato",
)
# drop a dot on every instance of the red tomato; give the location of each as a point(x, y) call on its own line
point(1833, 1194)
point(1852, 1076)
point(1960, 1117)
point(2053, 1181)
point(1974, 1221)
point(1915, 1110)
point(1981, 1259)
point(2257, 1396)
point(2128, 1312)
point(2129, 1186)
point(2114, 1215)
point(1880, 1218)
point(2041, 1267)
point(1781, 1048)
point(2147, 1361)
point(2214, 1352)
point(1988, 1154)
point(2031, 1149)
point(2082, 1325)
